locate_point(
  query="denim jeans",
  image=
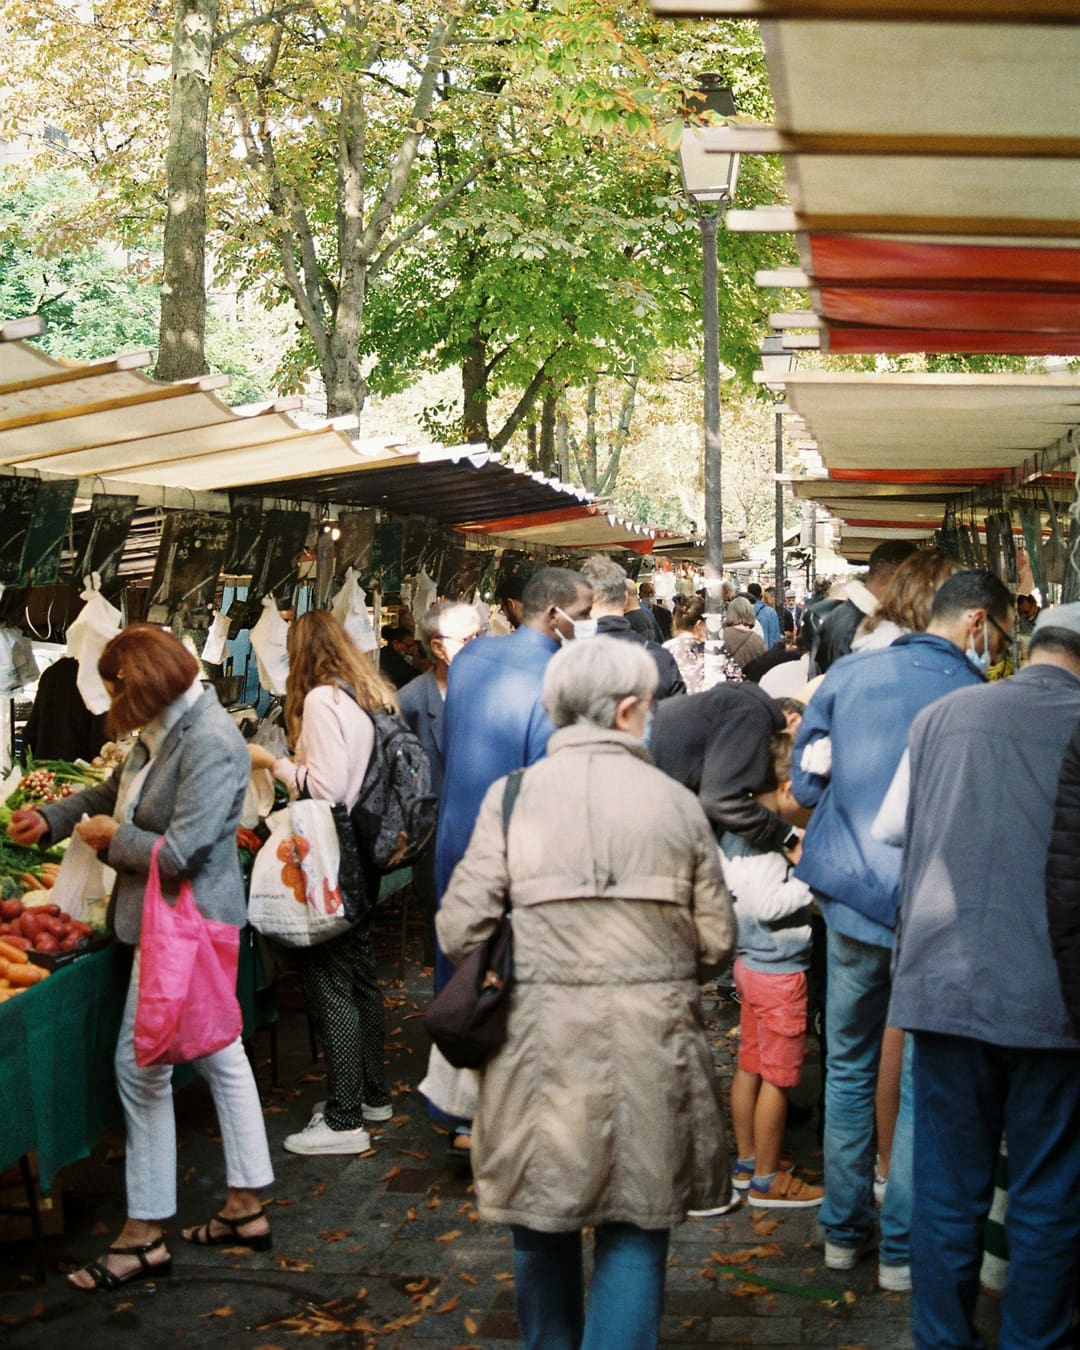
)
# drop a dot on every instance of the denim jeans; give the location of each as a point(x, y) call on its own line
point(625, 1296)
point(965, 1092)
point(857, 1004)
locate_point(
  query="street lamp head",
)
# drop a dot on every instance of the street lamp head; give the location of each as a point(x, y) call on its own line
point(776, 361)
point(707, 176)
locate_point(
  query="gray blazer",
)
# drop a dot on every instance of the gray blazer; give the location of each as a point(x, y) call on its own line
point(422, 707)
point(192, 796)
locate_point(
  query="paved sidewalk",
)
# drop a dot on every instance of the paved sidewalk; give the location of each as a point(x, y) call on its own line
point(387, 1250)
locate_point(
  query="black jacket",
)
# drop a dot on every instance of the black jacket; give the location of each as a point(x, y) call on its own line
point(834, 636)
point(1063, 880)
point(717, 745)
point(671, 681)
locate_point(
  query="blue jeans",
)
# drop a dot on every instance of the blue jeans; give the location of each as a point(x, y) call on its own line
point(965, 1092)
point(857, 1003)
point(625, 1296)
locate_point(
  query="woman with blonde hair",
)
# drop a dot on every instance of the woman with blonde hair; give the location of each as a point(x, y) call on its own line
point(330, 691)
point(905, 605)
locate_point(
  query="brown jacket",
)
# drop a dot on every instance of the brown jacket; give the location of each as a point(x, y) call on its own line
point(602, 1105)
point(742, 644)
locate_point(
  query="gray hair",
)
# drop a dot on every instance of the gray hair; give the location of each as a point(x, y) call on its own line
point(587, 680)
point(607, 579)
point(740, 611)
point(430, 623)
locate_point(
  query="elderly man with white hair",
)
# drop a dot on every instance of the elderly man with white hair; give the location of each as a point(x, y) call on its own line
point(601, 1109)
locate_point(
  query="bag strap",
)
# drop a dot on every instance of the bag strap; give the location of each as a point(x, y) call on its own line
point(510, 796)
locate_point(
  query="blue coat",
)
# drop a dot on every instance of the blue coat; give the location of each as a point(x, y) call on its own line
point(770, 623)
point(866, 705)
point(423, 707)
point(494, 723)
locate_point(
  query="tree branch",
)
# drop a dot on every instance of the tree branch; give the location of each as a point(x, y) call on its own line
point(258, 21)
point(418, 226)
point(524, 404)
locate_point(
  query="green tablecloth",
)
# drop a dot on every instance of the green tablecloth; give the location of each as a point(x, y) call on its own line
point(56, 1061)
point(57, 1085)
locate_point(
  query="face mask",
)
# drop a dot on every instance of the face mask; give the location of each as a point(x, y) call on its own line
point(583, 628)
point(646, 738)
point(980, 660)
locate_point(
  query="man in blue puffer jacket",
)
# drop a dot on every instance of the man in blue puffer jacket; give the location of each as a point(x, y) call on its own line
point(853, 734)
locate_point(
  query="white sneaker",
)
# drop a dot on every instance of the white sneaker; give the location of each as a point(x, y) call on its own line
point(318, 1137)
point(846, 1258)
point(372, 1113)
point(894, 1279)
point(734, 1203)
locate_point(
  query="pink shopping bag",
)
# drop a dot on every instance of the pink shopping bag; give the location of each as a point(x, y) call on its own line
point(187, 979)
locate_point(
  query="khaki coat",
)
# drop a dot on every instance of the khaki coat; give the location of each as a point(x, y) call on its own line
point(603, 1104)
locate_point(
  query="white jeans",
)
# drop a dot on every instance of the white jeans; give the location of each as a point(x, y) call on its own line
point(146, 1095)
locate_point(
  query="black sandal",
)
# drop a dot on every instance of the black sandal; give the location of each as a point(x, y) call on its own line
point(104, 1278)
point(202, 1236)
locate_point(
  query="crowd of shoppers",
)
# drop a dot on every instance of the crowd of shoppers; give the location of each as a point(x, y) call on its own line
point(896, 848)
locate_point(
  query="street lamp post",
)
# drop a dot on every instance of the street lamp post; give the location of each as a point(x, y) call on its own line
point(709, 178)
point(775, 361)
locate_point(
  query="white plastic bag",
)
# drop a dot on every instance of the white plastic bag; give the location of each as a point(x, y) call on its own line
point(426, 595)
point(453, 1091)
point(258, 799)
point(82, 879)
point(213, 652)
point(350, 609)
point(295, 897)
point(268, 639)
point(96, 624)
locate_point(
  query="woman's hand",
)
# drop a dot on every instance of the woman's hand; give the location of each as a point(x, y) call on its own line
point(97, 831)
point(27, 826)
point(261, 758)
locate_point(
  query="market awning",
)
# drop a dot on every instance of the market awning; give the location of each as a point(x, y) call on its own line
point(933, 172)
point(105, 422)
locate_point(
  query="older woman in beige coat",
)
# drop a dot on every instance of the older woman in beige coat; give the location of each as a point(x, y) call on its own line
point(602, 1107)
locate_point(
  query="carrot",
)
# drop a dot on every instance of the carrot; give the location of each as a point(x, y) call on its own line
point(13, 954)
point(48, 880)
point(30, 882)
point(23, 976)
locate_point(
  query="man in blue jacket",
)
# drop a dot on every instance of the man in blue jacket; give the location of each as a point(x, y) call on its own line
point(976, 985)
point(766, 616)
point(853, 734)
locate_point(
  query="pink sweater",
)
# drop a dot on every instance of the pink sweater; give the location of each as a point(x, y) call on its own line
point(332, 753)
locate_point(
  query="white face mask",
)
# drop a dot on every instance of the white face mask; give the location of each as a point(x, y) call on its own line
point(980, 660)
point(583, 628)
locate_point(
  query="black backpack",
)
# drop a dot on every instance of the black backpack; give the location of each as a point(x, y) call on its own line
point(395, 814)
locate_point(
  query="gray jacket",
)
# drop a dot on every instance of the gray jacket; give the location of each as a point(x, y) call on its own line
point(192, 796)
point(973, 955)
point(422, 707)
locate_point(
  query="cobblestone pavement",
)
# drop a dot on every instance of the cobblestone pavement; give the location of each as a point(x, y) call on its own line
point(387, 1250)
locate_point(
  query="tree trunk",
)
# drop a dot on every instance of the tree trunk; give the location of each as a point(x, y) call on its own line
point(606, 485)
point(346, 388)
point(474, 389)
point(547, 431)
point(182, 334)
point(589, 467)
point(531, 456)
point(562, 442)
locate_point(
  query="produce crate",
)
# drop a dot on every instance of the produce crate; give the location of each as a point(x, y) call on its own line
point(54, 960)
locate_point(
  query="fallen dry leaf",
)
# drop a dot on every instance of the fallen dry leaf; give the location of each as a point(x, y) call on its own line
point(400, 1323)
point(119, 1307)
point(763, 1227)
point(707, 1273)
point(224, 1311)
point(236, 1251)
point(433, 1203)
point(395, 1171)
point(747, 1290)
point(467, 1278)
point(416, 1153)
point(291, 1263)
point(452, 1236)
point(746, 1255)
point(411, 1216)
point(849, 1296)
point(189, 1176)
point(502, 1276)
point(448, 1306)
point(470, 1325)
point(320, 1189)
point(335, 1234)
point(418, 1286)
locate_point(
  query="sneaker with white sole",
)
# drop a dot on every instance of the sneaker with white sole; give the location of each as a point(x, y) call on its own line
point(846, 1258)
point(785, 1191)
point(733, 1204)
point(894, 1279)
point(318, 1137)
point(742, 1176)
point(370, 1113)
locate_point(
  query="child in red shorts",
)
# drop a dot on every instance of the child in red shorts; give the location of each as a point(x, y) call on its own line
point(773, 953)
